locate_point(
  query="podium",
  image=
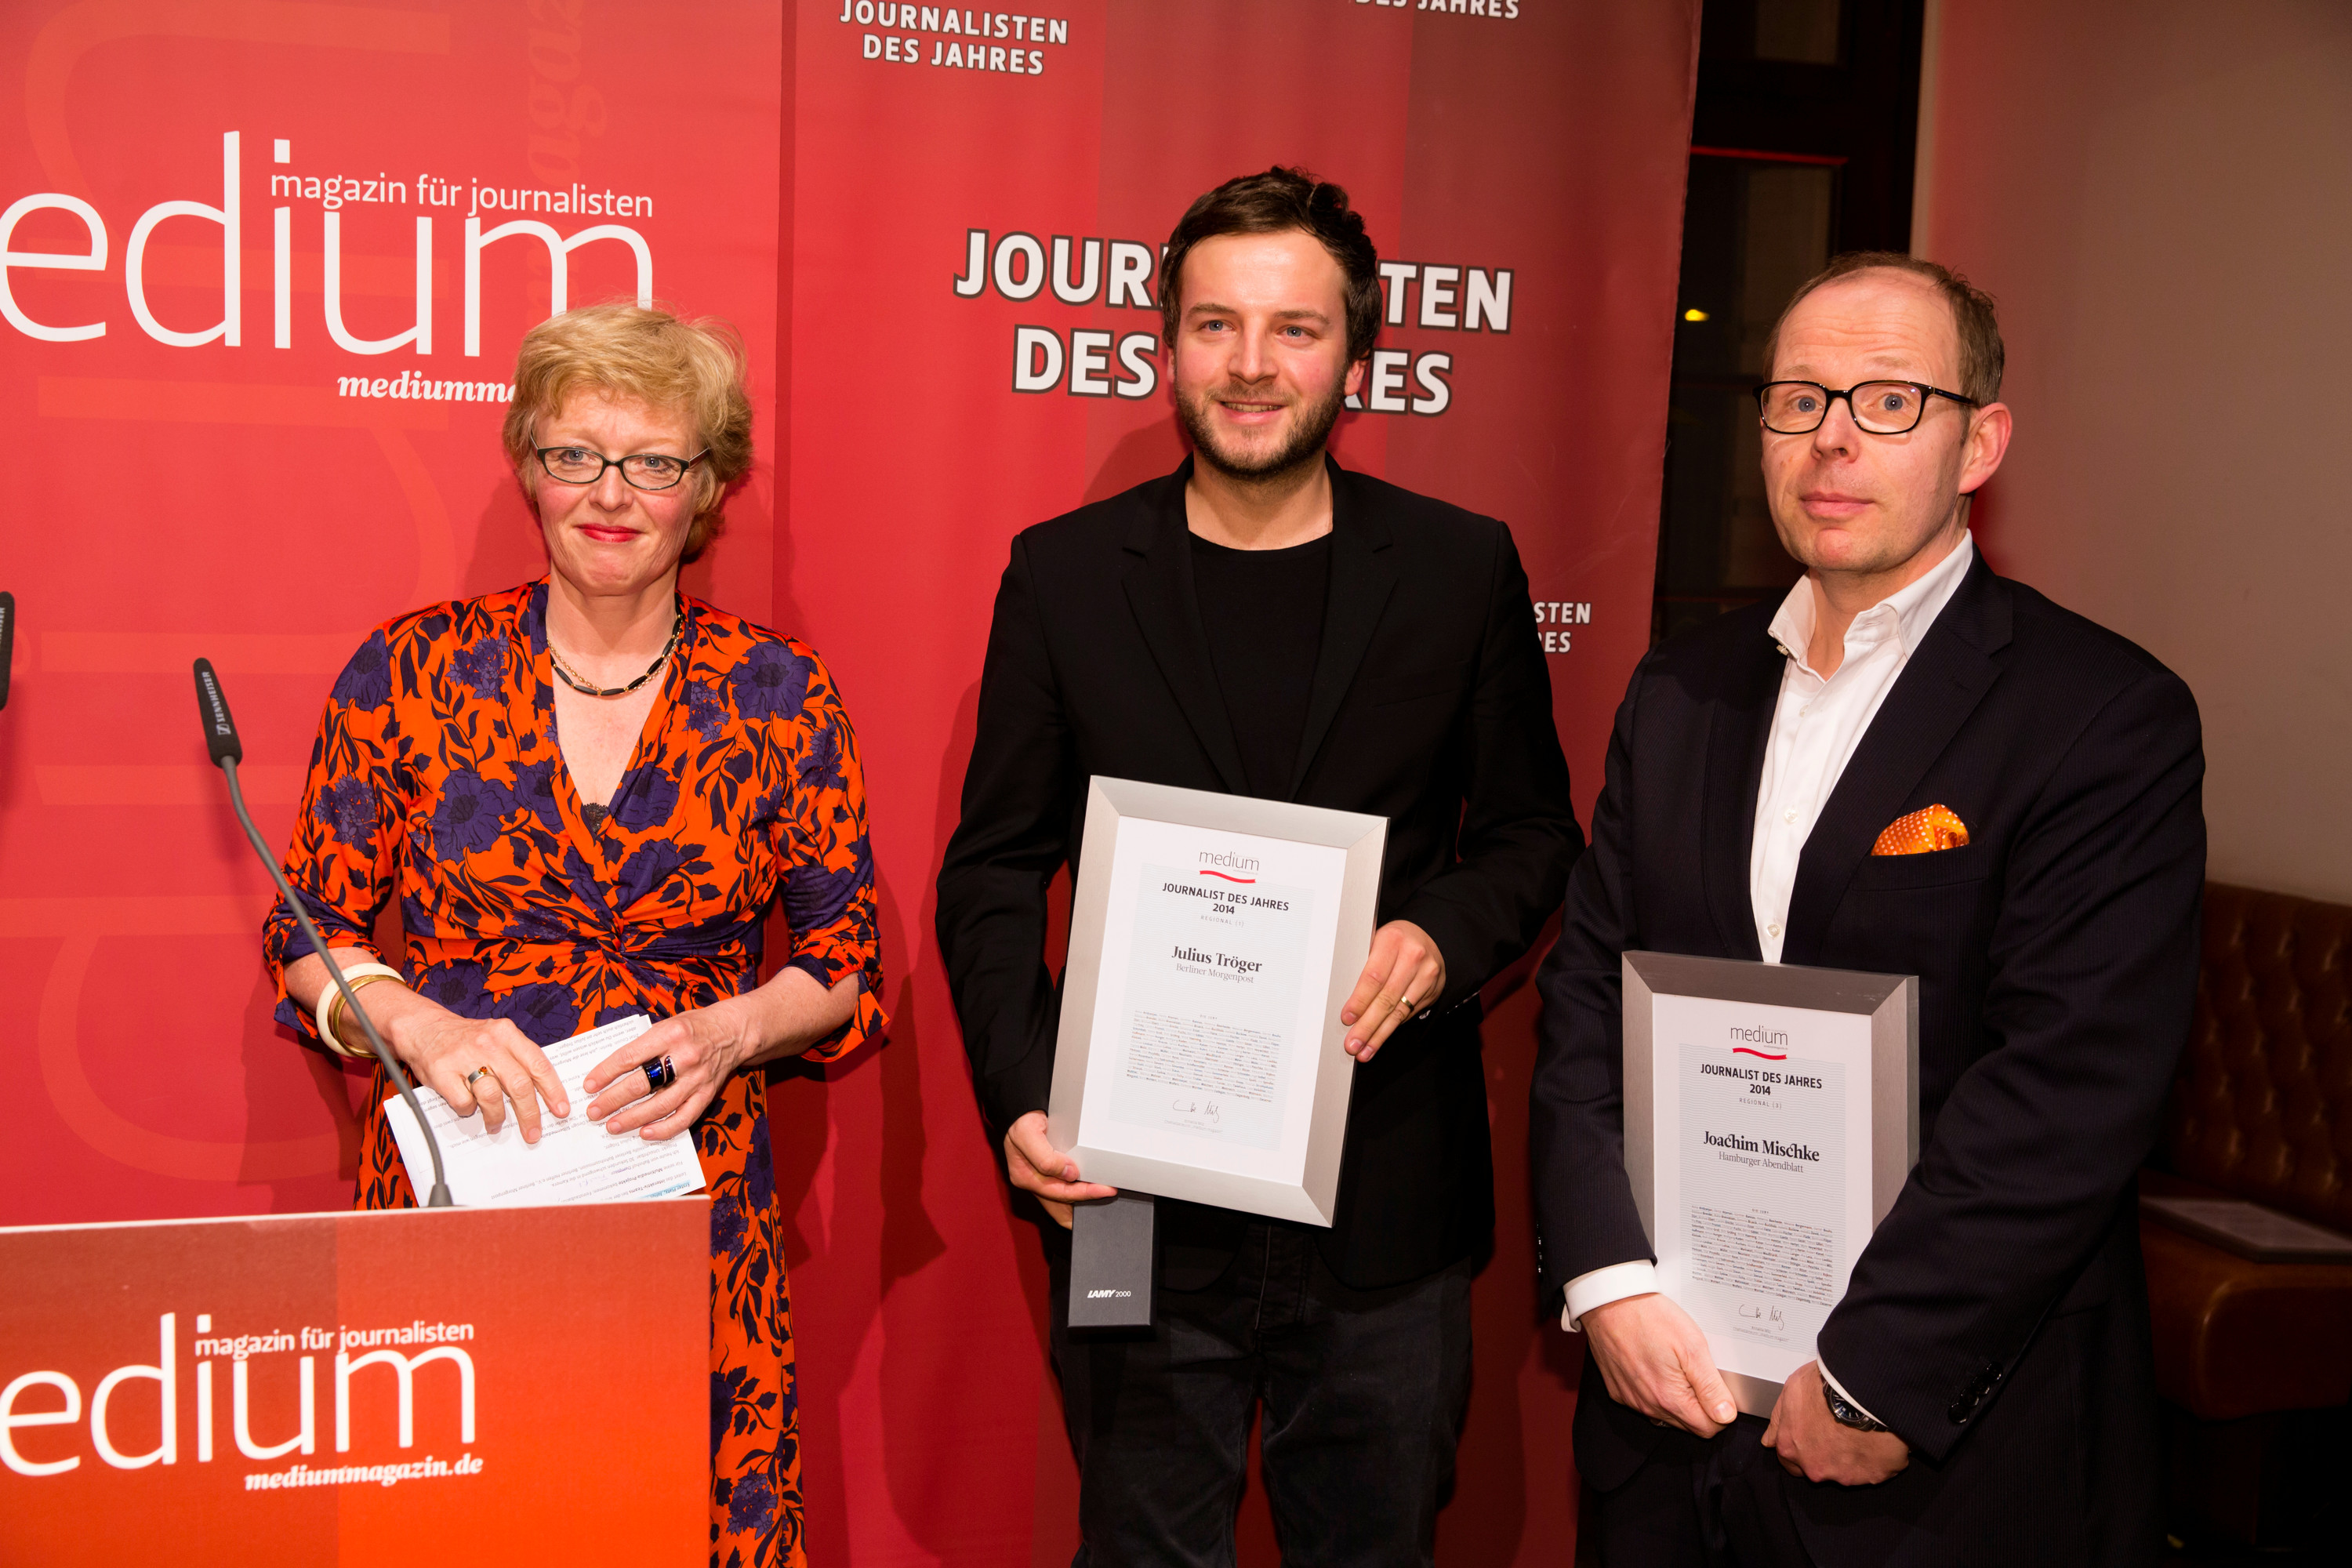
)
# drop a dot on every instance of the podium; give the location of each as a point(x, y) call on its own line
point(405, 1386)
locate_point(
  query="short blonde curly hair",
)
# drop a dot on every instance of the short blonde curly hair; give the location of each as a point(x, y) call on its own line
point(658, 358)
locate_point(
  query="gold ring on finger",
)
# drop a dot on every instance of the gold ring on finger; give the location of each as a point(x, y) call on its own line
point(1404, 1005)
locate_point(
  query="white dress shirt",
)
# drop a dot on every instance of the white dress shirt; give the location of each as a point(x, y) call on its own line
point(1817, 723)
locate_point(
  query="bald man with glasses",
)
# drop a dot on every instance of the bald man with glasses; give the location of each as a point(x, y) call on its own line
point(1908, 765)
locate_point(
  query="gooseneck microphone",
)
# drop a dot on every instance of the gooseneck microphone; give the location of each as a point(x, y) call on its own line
point(7, 641)
point(220, 740)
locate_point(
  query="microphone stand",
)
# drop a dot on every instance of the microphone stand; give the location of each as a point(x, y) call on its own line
point(213, 706)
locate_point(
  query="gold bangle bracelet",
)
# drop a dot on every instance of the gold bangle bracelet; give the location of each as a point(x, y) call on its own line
point(336, 1010)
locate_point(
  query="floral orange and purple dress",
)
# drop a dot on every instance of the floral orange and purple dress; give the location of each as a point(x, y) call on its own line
point(437, 778)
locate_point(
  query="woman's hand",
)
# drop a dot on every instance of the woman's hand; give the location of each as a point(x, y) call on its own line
point(704, 1046)
point(445, 1050)
point(442, 1049)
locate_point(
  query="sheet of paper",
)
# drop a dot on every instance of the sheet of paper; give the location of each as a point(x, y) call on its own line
point(575, 1161)
point(1212, 985)
point(1765, 1202)
point(1209, 1014)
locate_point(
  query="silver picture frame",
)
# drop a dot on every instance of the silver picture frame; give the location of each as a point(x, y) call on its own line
point(1891, 1002)
point(1312, 1197)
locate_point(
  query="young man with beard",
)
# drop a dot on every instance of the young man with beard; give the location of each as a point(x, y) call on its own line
point(1264, 622)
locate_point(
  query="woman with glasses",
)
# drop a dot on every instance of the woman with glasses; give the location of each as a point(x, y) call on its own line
point(586, 794)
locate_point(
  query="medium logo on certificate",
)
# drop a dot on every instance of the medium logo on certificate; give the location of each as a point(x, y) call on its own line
point(1206, 1044)
point(1763, 1186)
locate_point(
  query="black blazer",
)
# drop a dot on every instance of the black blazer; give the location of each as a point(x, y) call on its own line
point(1998, 1319)
point(1430, 705)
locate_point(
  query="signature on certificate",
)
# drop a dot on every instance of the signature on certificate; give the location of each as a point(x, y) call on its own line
point(1761, 1315)
point(1207, 1110)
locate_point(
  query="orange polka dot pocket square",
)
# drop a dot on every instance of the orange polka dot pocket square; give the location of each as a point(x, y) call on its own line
point(1922, 832)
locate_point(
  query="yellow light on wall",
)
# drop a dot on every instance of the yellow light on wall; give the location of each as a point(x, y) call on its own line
point(1694, 314)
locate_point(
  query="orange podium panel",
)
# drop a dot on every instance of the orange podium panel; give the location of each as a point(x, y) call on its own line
point(453, 1386)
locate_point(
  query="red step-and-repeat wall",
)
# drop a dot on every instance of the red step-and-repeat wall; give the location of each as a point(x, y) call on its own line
point(267, 263)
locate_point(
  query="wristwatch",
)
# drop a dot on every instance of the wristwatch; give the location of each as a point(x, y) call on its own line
point(1846, 1413)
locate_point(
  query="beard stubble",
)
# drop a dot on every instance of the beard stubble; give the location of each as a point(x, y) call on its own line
point(1308, 438)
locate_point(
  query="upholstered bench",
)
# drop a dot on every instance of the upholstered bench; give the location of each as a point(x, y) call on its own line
point(2261, 1110)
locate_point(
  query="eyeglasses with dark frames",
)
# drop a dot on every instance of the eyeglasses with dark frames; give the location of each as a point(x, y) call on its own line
point(642, 470)
point(1879, 407)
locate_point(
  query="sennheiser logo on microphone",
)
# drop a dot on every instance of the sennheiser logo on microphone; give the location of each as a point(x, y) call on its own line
point(211, 713)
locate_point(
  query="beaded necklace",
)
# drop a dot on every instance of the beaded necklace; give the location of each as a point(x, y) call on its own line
point(677, 629)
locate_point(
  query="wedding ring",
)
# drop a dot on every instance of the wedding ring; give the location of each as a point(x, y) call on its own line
point(481, 1073)
point(1404, 1005)
point(660, 1075)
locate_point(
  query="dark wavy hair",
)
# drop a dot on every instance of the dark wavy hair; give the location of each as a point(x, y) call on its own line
point(1274, 203)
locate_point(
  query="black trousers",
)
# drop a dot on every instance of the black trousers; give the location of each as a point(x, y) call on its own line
point(1699, 1503)
point(1362, 1393)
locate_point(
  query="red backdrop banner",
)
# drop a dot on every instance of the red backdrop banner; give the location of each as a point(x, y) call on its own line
point(234, 230)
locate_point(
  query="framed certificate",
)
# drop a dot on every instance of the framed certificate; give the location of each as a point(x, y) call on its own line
point(1212, 939)
point(1772, 1116)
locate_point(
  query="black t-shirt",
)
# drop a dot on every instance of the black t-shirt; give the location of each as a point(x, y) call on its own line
point(1263, 612)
